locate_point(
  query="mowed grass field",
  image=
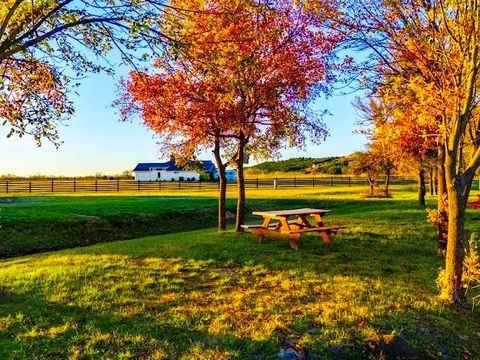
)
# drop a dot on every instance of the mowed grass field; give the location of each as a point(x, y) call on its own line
point(197, 294)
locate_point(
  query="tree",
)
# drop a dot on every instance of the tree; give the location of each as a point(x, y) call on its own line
point(185, 112)
point(365, 163)
point(432, 48)
point(375, 117)
point(258, 65)
point(46, 44)
point(387, 121)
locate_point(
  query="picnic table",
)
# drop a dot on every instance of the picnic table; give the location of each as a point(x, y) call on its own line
point(474, 204)
point(292, 224)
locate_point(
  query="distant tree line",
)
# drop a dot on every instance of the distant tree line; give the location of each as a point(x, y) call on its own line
point(327, 165)
point(125, 175)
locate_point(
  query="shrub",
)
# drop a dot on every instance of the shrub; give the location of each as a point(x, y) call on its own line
point(471, 271)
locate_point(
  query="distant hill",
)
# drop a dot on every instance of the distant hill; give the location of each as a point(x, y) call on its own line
point(328, 165)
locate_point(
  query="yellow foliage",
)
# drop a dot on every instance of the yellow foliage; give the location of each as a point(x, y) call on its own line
point(471, 270)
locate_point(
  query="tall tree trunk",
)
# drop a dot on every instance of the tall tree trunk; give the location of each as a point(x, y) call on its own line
point(431, 181)
point(240, 185)
point(458, 189)
point(442, 202)
point(421, 185)
point(222, 195)
point(453, 292)
point(371, 182)
point(387, 182)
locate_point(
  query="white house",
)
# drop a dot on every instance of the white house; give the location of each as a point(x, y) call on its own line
point(168, 171)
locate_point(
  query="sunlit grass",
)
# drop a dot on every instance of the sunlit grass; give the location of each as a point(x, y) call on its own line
point(201, 294)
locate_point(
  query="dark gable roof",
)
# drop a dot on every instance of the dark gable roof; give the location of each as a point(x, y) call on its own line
point(208, 166)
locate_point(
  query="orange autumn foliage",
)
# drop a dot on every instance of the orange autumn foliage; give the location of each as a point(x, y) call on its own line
point(239, 67)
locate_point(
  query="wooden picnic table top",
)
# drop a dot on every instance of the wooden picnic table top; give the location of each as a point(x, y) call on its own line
point(292, 212)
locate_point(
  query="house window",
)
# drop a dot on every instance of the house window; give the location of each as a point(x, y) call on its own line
point(181, 178)
point(159, 175)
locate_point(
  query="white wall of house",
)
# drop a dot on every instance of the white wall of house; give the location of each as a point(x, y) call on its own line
point(164, 175)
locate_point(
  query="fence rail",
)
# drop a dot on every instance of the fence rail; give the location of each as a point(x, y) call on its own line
point(72, 186)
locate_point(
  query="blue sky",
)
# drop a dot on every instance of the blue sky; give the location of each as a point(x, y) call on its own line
point(95, 141)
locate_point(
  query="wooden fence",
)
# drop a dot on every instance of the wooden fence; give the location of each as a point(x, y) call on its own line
point(72, 186)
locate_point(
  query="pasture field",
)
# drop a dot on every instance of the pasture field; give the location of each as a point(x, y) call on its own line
point(198, 294)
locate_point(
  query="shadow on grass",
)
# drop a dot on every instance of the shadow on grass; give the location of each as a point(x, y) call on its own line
point(42, 329)
point(52, 330)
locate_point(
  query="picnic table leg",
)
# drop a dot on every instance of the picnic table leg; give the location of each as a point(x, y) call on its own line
point(318, 219)
point(327, 239)
point(261, 236)
point(293, 239)
point(302, 220)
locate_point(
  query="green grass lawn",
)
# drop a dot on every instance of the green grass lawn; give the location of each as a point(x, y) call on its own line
point(199, 294)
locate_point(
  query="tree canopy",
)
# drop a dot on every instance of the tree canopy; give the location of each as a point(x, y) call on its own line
point(47, 45)
point(242, 71)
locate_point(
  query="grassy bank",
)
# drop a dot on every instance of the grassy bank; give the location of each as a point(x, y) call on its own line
point(36, 224)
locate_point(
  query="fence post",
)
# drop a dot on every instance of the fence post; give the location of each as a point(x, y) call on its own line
point(331, 180)
point(30, 187)
point(52, 185)
point(275, 183)
point(349, 181)
point(313, 181)
point(96, 185)
point(257, 182)
point(179, 185)
point(6, 186)
point(200, 183)
point(294, 181)
point(138, 185)
point(74, 185)
point(118, 185)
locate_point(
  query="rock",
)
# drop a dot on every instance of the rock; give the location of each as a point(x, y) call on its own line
point(290, 354)
point(392, 347)
point(338, 352)
point(4, 293)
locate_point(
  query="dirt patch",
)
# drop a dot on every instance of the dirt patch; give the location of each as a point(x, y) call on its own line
point(224, 271)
